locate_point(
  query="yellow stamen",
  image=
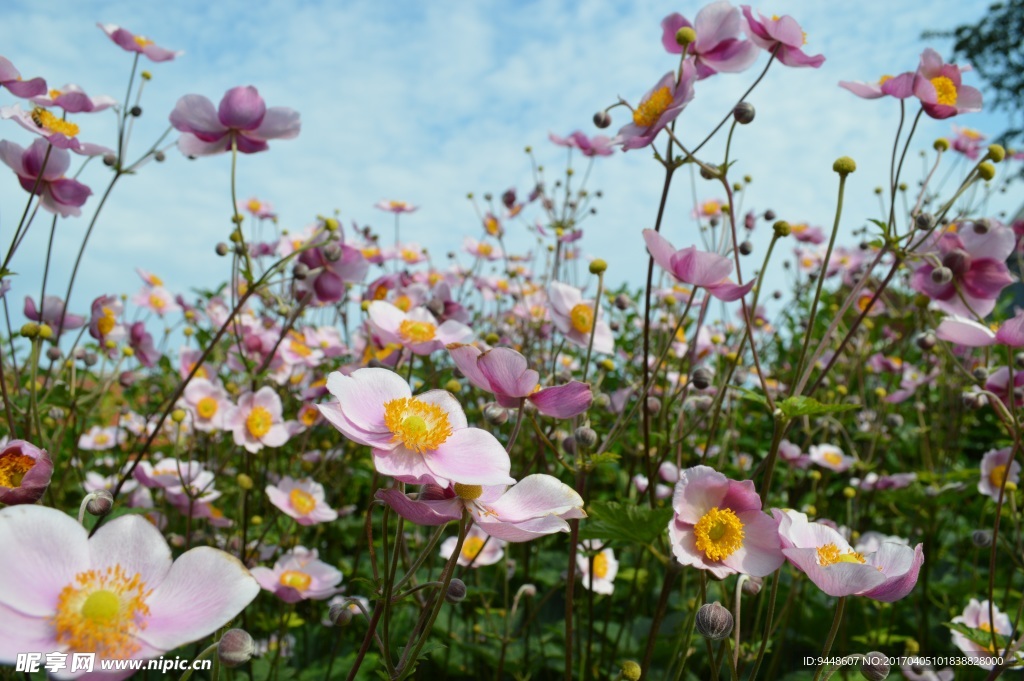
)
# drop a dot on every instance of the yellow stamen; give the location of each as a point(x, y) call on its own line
point(945, 90)
point(833, 458)
point(254, 205)
point(997, 476)
point(207, 408)
point(419, 426)
point(403, 303)
point(101, 439)
point(45, 119)
point(581, 317)
point(296, 579)
point(105, 324)
point(54, 94)
point(829, 555)
point(308, 415)
point(13, 468)
point(416, 332)
point(468, 492)
point(600, 565)
point(303, 502)
point(471, 547)
point(492, 225)
point(485, 249)
point(142, 41)
point(883, 79)
point(157, 302)
point(258, 422)
point(719, 533)
point(649, 111)
point(102, 612)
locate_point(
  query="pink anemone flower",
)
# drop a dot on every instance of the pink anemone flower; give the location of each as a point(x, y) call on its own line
point(997, 468)
point(62, 134)
point(53, 313)
point(659, 107)
point(302, 500)
point(938, 85)
point(505, 373)
point(417, 329)
point(396, 206)
point(10, 78)
point(984, 618)
point(117, 593)
point(25, 472)
point(535, 506)
point(900, 87)
point(478, 549)
point(820, 552)
point(57, 194)
point(576, 318)
point(420, 440)
point(697, 268)
point(73, 99)
point(242, 118)
point(298, 575)
point(600, 580)
point(783, 36)
point(719, 526)
point(130, 42)
point(257, 421)
point(718, 47)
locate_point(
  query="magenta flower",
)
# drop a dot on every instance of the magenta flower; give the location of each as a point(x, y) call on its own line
point(420, 440)
point(719, 526)
point(302, 500)
point(576, 318)
point(298, 575)
point(506, 373)
point(25, 472)
point(10, 78)
point(976, 259)
point(136, 43)
point(697, 268)
point(73, 99)
point(598, 145)
point(997, 468)
point(62, 134)
point(328, 278)
point(117, 594)
point(658, 108)
point(718, 47)
point(938, 85)
point(53, 314)
point(242, 118)
point(141, 341)
point(537, 505)
point(257, 421)
point(781, 35)
point(820, 552)
point(901, 87)
point(58, 194)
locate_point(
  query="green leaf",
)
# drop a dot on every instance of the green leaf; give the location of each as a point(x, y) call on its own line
point(751, 395)
point(802, 405)
point(613, 521)
point(982, 638)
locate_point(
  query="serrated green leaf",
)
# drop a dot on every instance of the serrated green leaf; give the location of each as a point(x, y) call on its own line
point(802, 405)
point(982, 638)
point(613, 521)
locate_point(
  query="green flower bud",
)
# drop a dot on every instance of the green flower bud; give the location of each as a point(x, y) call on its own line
point(986, 171)
point(782, 229)
point(996, 152)
point(844, 165)
point(598, 266)
point(685, 36)
point(941, 144)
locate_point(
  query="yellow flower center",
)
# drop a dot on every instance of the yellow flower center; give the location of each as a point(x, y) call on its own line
point(997, 476)
point(419, 426)
point(468, 492)
point(13, 468)
point(884, 79)
point(649, 111)
point(308, 415)
point(945, 90)
point(101, 612)
point(157, 302)
point(206, 408)
point(45, 119)
point(719, 533)
point(829, 555)
point(397, 204)
point(410, 256)
point(155, 280)
point(485, 249)
point(833, 458)
point(142, 41)
point(416, 332)
point(258, 422)
point(101, 439)
point(296, 579)
point(492, 225)
point(711, 207)
point(471, 547)
point(54, 94)
point(582, 318)
point(299, 348)
point(105, 324)
point(372, 252)
point(254, 205)
point(434, 277)
point(303, 502)
point(403, 303)
point(601, 565)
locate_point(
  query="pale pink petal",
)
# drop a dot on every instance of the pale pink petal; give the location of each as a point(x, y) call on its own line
point(901, 567)
point(195, 114)
point(448, 404)
point(699, 489)
point(838, 579)
point(536, 496)
point(728, 291)
point(715, 22)
point(563, 401)
point(508, 372)
point(136, 545)
point(406, 465)
point(20, 633)
point(760, 554)
point(336, 417)
point(660, 249)
point(700, 268)
point(279, 123)
point(465, 358)
point(1012, 331)
point(190, 145)
point(523, 531)
point(451, 331)
point(363, 394)
point(963, 331)
point(434, 512)
point(563, 297)
point(471, 456)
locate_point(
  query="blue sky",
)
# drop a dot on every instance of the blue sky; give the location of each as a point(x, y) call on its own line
point(428, 101)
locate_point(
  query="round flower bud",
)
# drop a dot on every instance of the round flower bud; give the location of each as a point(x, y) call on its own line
point(941, 144)
point(602, 119)
point(585, 436)
point(769, 215)
point(623, 302)
point(1018, 360)
point(45, 331)
point(222, 249)
point(569, 444)
point(849, 492)
point(332, 252)
point(235, 647)
point(653, 405)
point(146, 75)
point(701, 377)
point(300, 271)
point(746, 248)
point(942, 275)
point(90, 358)
point(53, 353)
point(109, 159)
point(981, 538)
point(339, 614)
point(782, 229)
point(602, 400)
point(453, 386)
point(159, 156)
point(709, 172)
point(685, 36)
point(986, 171)
point(921, 300)
point(631, 671)
point(980, 374)
point(714, 621)
point(135, 111)
point(101, 503)
point(924, 221)
point(874, 666)
point(331, 225)
point(743, 113)
point(244, 481)
point(844, 165)
point(598, 266)
point(456, 592)
point(982, 226)
point(996, 153)
point(495, 414)
point(814, 475)
point(752, 586)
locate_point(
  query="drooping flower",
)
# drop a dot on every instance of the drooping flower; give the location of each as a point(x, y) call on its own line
point(601, 579)
point(117, 594)
point(535, 506)
point(506, 373)
point(130, 42)
point(302, 500)
point(973, 334)
point(719, 526)
point(298, 575)
point(659, 107)
point(73, 99)
point(938, 85)
point(900, 87)
point(257, 421)
point(824, 555)
point(997, 470)
point(577, 318)
point(420, 440)
point(783, 36)
point(478, 549)
point(53, 313)
point(10, 78)
point(141, 342)
point(25, 472)
point(718, 47)
point(598, 145)
point(242, 118)
point(328, 276)
point(58, 194)
point(697, 268)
